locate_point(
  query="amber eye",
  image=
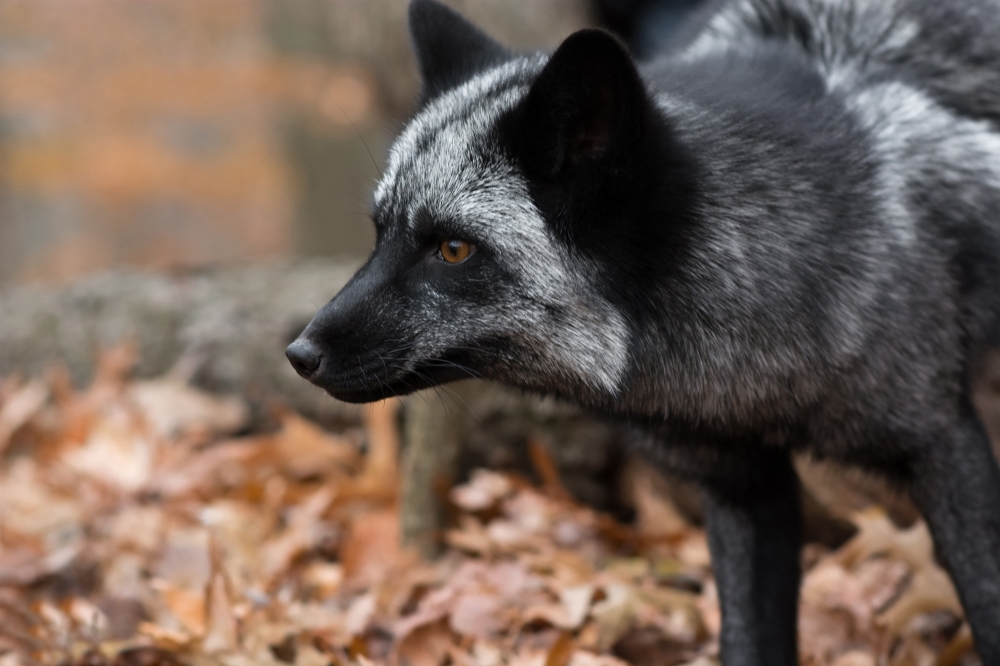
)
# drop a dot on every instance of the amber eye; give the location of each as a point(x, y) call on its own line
point(454, 251)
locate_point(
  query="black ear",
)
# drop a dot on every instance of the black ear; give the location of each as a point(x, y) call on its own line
point(588, 105)
point(449, 49)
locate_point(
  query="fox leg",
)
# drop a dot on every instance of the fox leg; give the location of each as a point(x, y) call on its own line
point(754, 532)
point(956, 484)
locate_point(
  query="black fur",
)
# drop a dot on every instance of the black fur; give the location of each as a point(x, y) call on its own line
point(449, 49)
point(783, 234)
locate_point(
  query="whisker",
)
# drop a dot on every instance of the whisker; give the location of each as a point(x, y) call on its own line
point(440, 361)
point(368, 150)
point(365, 377)
point(436, 391)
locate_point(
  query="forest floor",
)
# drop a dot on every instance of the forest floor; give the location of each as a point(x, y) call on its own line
point(137, 530)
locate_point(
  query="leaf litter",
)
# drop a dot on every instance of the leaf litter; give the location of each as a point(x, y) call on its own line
point(137, 529)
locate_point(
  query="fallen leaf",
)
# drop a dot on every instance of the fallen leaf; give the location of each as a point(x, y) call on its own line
point(19, 408)
point(117, 452)
point(477, 615)
point(855, 658)
point(145, 656)
point(305, 529)
point(615, 615)
point(188, 606)
point(325, 577)
point(656, 516)
point(930, 589)
point(484, 490)
point(220, 622)
point(428, 645)
point(547, 469)
point(303, 449)
point(561, 652)
point(173, 409)
point(371, 547)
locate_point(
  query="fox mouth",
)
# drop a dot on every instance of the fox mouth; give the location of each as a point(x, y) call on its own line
point(373, 378)
point(373, 385)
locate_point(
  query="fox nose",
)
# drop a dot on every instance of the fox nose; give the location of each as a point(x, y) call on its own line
point(304, 357)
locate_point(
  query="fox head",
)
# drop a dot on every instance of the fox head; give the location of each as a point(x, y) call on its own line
point(506, 224)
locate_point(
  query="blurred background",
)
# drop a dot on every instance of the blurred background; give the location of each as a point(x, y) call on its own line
point(184, 133)
point(176, 134)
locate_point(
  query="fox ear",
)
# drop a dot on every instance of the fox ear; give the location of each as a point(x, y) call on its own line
point(449, 49)
point(588, 104)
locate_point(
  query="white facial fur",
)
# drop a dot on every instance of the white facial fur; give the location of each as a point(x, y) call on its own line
point(444, 163)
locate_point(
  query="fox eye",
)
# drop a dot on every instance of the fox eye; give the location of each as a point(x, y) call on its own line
point(454, 251)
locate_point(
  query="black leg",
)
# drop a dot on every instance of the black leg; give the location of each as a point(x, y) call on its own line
point(754, 532)
point(957, 487)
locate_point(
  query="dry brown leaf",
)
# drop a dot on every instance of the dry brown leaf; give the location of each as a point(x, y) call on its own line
point(483, 491)
point(307, 655)
point(486, 654)
point(615, 615)
point(832, 588)
point(188, 606)
point(509, 536)
point(145, 656)
point(138, 528)
point(568, 569)
point(305, 529)
point(472, 537)
point(929, 590)
point(220, 621)
point(204, 471)
point(371, 547)
point(118, 451)
point(428, 645)
point(324, 577)
point(960, 645)
point(477, 614)
point(576, 600)
point(174, 409)
point(855, 658)
point(304, 450)
point(29, 505)
point(434, 607)
point(584, 658)
point(546, 468)
point(839, 605)
point(569, 614)
point(24, 566)
point(528, 657)
point(185, 560)
point(561, 651)
point(656, 516)
point(19, 408)
point(677, 613)
point(168, 639)
point(877, 534)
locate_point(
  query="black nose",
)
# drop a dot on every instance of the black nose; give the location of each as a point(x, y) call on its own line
point(304, 357)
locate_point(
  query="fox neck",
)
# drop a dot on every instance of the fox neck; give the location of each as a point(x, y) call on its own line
point(720, 246)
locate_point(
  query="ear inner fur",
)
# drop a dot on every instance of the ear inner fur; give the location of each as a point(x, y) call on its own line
point(588, 104)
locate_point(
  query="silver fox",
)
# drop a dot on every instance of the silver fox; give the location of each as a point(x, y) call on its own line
point(781, 234)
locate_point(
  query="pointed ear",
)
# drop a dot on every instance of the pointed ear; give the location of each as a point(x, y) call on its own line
point(587, 106)
point(449, 49)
